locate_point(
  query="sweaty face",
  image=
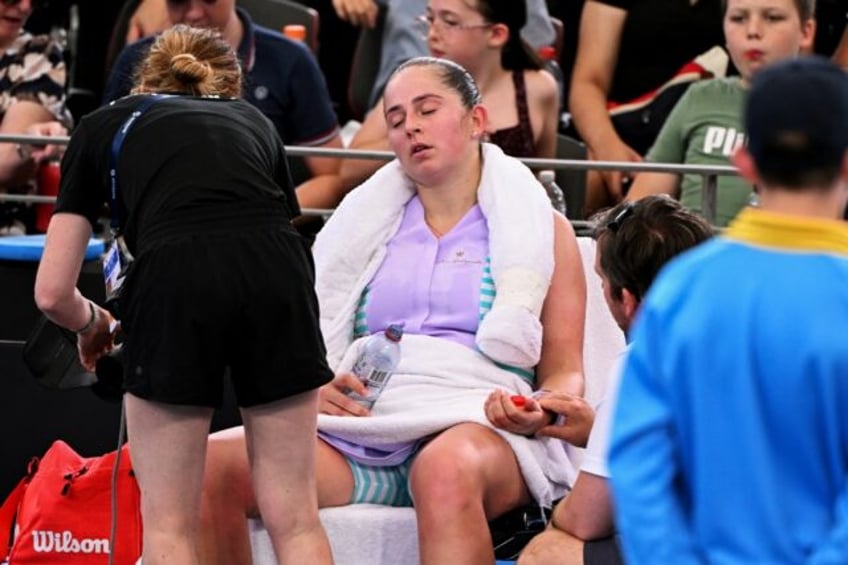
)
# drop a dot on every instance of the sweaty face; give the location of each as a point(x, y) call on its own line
point(430, 130)
point(761, 32)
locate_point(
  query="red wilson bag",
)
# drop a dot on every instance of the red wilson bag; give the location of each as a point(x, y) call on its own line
point(61, 511)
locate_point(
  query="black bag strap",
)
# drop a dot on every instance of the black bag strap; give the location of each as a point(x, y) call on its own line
point(117, 144)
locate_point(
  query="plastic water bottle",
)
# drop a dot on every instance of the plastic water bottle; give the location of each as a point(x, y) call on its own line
point(377, 361)
point(548, 180)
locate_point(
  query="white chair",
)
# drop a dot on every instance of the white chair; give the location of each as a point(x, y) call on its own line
point(368, 534)
point(360, 534)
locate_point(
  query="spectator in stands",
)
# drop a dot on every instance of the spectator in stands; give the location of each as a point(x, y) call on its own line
point(402, 37)
point(149, 18)
point(32, 102)
point(627, 50)
point(449, 215)
point(729, 437)
point(634, 241)
point(482, 36)
point(221, 279)
point(337, 36)
point(706, 125)
point(282, 79)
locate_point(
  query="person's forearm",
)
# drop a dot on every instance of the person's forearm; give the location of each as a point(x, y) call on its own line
point(569, 382)
point(647, 184)
point(64, 251)
point(356, 171)
point(71, 310)
point(588, 104)
point(586, 513)
point(322, 191)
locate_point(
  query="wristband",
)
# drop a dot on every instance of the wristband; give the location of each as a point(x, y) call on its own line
point(92, 318)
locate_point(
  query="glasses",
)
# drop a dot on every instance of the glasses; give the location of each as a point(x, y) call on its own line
point(625, 213)
point(444, 24)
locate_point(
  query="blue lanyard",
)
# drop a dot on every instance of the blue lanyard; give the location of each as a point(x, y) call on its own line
point(117, 143)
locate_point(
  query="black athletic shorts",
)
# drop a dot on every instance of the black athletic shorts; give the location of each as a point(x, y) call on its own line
point(243, 298)
point(605, 551)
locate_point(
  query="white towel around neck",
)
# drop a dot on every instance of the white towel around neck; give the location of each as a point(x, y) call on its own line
point(351, 246)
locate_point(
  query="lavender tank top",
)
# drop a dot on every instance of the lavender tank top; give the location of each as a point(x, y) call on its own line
point(440, 287)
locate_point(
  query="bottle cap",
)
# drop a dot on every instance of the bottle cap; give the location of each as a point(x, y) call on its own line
point(394, 332)
point(546, 175)
point(547, 52)
point(296, 32)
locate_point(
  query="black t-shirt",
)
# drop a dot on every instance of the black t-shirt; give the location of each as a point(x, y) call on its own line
point(831, 17)
point(184, 155)
point(658, 38)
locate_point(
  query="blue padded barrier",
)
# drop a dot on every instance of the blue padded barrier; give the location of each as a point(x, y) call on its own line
point(30, 247)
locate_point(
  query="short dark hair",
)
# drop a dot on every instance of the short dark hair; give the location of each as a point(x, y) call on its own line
point(635, 240)
point(796, 123)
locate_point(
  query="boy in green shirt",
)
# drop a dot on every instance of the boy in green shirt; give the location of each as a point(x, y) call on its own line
point(705, 127)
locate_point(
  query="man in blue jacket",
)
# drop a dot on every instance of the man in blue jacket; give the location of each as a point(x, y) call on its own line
point(730, 439)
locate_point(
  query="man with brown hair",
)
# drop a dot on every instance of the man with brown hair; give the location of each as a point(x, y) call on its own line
point(634, 241)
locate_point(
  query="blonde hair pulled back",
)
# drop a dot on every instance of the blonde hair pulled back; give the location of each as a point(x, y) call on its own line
point(188, 60)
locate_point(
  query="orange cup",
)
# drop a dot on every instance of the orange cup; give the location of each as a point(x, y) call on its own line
point(296, 32)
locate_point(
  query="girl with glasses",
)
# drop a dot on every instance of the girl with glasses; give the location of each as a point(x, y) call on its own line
point(483, 36)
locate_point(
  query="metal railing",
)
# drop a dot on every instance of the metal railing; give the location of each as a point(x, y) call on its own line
point(709, 174)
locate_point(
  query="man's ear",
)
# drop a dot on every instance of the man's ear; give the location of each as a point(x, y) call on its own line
point(629, 304)
point(744, 162)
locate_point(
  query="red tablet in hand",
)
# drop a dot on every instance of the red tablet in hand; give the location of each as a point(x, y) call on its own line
point(518, 400)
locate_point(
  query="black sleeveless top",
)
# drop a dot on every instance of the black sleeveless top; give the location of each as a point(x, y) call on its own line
point(517, 140)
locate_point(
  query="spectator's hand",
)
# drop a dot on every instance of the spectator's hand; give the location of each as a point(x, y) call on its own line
point(579, 417)
point(149, 18)
point(98, 341)
point(333, 398)
point(357, 12)
point(616, 150)
point(41, 153)
point(503, 413)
